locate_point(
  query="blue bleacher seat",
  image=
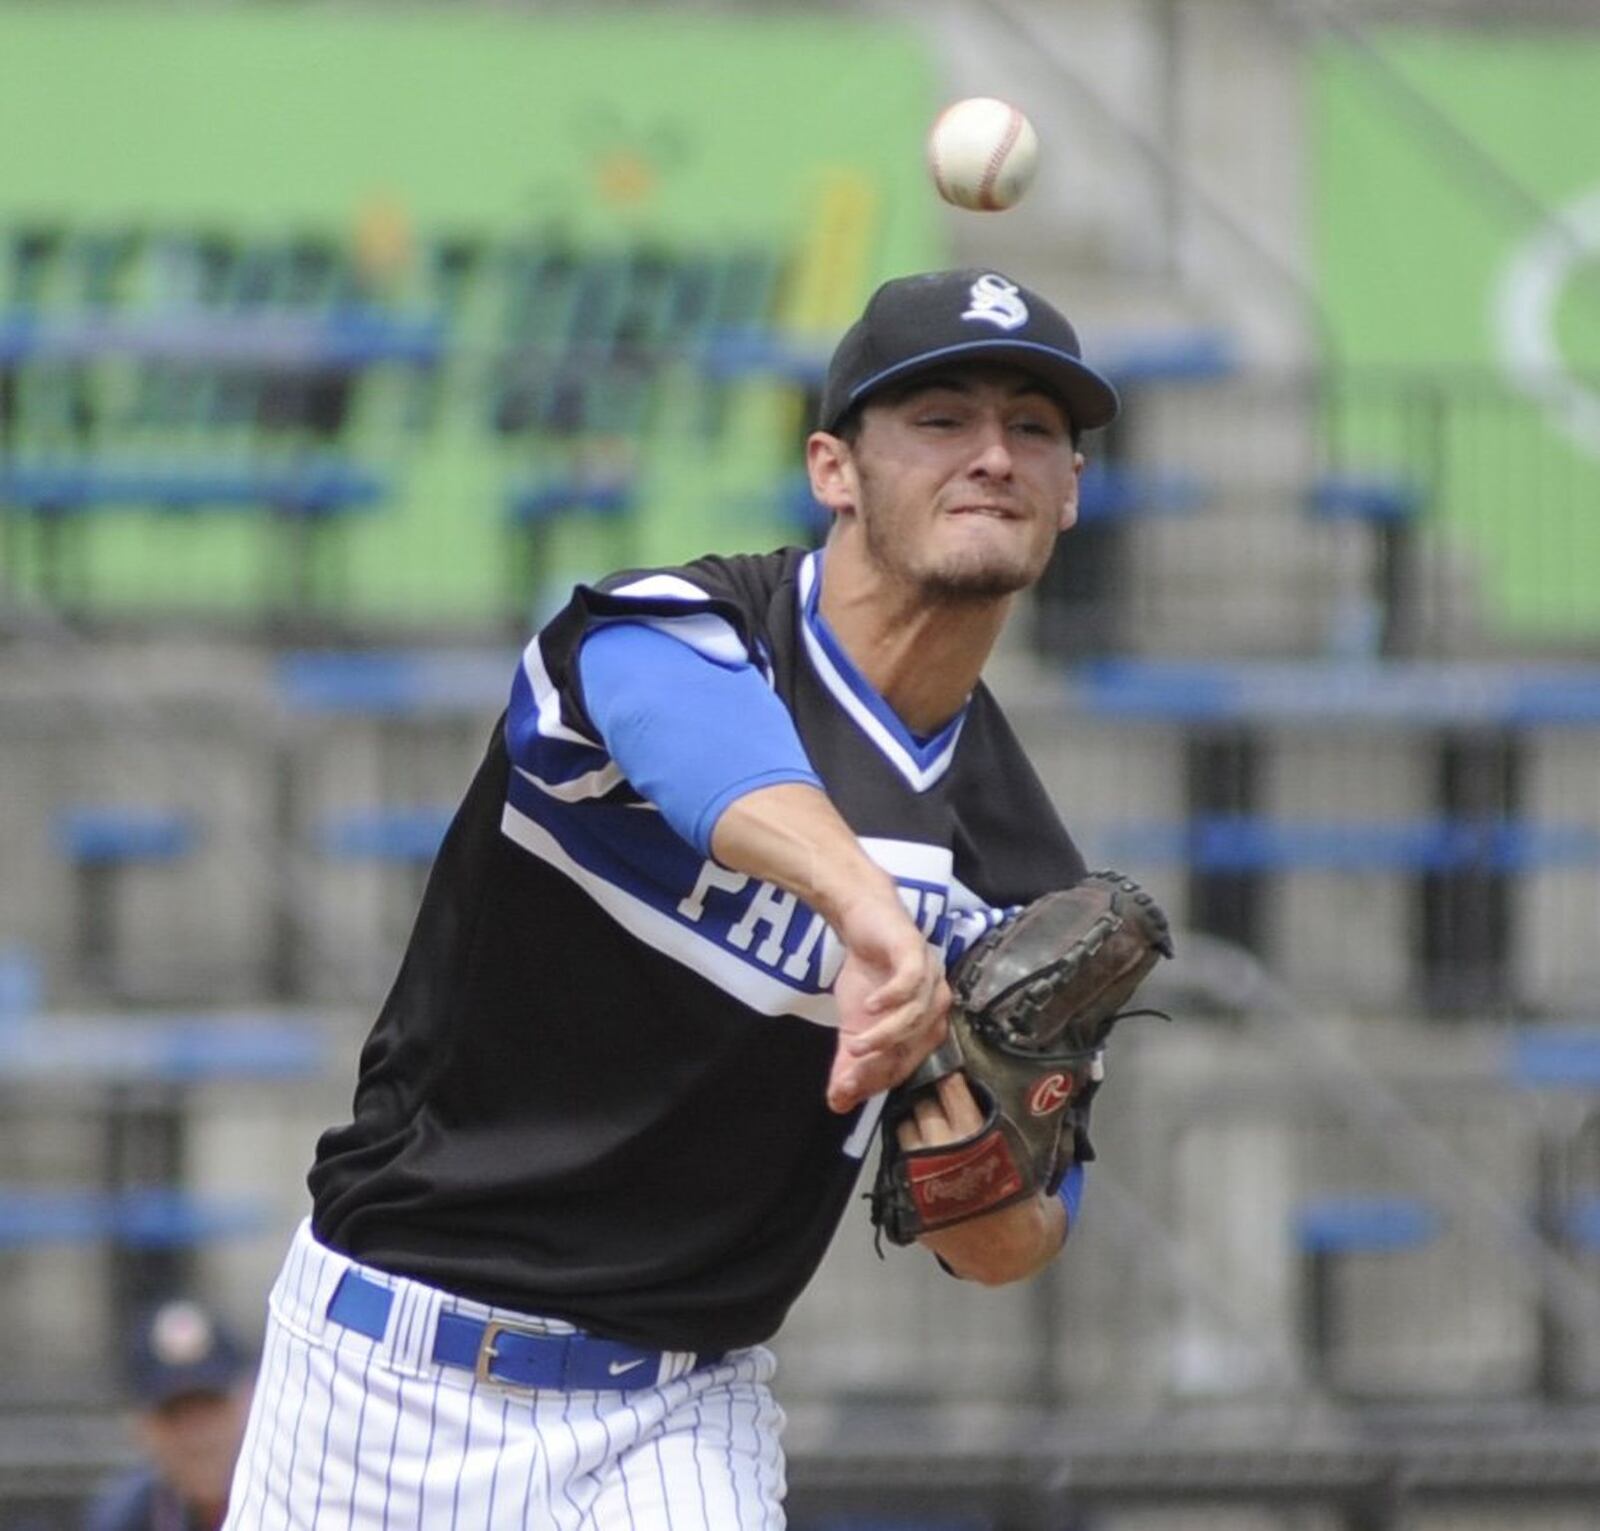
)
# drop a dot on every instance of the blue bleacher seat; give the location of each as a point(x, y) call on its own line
point(1423, 693)
point(318, 487)
point(1359, 1224)
point(179, 1047)
point(164, 1217)
point(340, 339)
point(1251, 843)
point(396, 683)
point(30, 1216)
point(537, 503)
point(410, 834)
point(1116, 491)
point(1328, 1228)
point(146, 1217)
point(107, 835)
point(21, 984)
point(1555, 1056)
point(101, 842)
point(1369, 498)
point(728, 355)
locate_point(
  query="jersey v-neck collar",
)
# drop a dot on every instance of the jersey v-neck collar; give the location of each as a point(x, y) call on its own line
point(922, 762)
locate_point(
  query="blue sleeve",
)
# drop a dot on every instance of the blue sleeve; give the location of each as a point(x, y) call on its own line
point(1071, 1194)
point(692, 734)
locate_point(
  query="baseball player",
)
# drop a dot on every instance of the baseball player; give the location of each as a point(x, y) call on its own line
point(691, 920)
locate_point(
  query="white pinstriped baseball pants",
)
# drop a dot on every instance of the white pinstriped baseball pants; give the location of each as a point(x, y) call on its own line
point(372, 1435)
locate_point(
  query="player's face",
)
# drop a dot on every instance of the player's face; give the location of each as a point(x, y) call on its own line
point(964, 481)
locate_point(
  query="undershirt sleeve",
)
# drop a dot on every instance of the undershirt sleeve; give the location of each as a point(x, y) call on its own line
point(691, 733)
point(1071, 1194)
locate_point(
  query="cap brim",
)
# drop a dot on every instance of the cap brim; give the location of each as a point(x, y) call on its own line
point(1090, 400)
point(182, 1382)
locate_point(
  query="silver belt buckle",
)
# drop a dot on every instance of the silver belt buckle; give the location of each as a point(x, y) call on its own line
point(492, 1330)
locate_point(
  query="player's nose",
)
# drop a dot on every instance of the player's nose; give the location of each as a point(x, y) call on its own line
point(992, 451)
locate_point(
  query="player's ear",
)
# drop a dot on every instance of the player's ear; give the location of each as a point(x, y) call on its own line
point(1069, 506)
point(832, 470)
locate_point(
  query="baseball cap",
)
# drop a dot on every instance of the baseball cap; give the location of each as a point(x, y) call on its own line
point(915, 323)
point(181, 1347)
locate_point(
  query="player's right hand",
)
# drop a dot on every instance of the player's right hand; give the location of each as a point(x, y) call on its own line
point(892, 998)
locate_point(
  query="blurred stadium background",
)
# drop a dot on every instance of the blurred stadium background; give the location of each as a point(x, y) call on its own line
point(337, 340)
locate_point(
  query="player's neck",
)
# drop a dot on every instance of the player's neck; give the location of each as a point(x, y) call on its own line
point(923, 658)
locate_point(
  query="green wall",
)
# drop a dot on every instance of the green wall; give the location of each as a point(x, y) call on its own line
point(1430, 198)
point(292, 112)
point(685, 133)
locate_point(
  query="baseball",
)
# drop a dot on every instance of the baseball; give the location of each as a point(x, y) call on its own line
point(982, 153)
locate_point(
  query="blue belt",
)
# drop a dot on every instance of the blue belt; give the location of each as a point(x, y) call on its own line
point(507, 1352)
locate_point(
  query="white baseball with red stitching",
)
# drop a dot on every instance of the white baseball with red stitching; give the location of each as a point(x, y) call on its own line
point(982, 153)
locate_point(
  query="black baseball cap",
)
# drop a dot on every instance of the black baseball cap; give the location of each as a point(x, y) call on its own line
point(916, 323)
point(178, 1348)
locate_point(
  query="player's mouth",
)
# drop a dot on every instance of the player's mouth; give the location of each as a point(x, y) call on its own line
point(993, 512)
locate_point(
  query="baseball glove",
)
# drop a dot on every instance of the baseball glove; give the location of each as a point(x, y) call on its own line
point(1033, 1003)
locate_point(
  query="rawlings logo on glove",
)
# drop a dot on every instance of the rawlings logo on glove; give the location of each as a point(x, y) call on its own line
point(1034, 1002)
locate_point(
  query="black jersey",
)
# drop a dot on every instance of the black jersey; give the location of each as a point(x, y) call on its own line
point(596, 1090)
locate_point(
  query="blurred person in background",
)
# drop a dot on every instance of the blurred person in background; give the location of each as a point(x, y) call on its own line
point(189, 1379)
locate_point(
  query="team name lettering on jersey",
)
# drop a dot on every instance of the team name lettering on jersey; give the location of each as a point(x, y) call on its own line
point(771, 926)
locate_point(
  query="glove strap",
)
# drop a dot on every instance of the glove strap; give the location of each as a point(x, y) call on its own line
point(958, 1181)
point(946, 1058)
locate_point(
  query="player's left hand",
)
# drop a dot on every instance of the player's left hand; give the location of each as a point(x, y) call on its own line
point(946, 1113)
point(1003, 1246)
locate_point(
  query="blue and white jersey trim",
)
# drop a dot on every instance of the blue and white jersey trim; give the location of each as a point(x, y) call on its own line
point(971, 919)
point(664, 930)
point(545, 750)
point(704, 631)
point(921, 762)
point(569, 804)
point(754, 941)
point(567, 763)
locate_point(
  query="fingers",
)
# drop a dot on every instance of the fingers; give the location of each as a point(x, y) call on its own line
point(923, 1128)
point(854, 1080)
point(912, 1009)
point(960, 1106)
point(880, 1059)
point(892, 1000)
point(931, 1123)
point(917, 971)
point(947, 1113)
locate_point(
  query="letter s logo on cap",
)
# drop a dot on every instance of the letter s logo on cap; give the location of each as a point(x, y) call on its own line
point(995, 300)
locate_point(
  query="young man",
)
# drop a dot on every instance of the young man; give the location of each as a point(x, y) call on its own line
point(190, 1384)
point(691, 920)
